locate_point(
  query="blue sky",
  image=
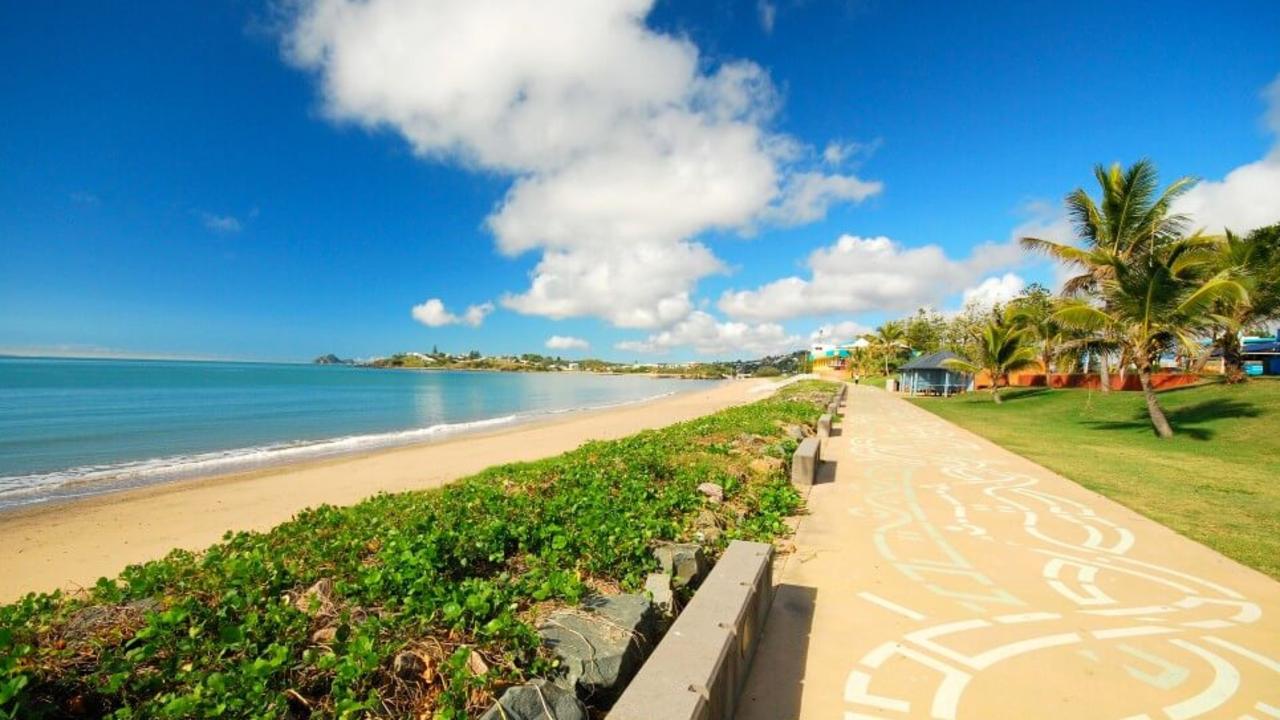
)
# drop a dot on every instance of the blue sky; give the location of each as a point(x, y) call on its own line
point(240, 180)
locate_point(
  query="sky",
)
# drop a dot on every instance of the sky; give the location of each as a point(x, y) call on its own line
point(627, 179)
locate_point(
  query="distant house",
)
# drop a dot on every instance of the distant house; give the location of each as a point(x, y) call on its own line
point(833, 359)
point(1261, 356)
point(927, 375)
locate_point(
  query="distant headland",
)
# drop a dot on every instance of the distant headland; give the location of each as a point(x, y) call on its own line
point(533, 362)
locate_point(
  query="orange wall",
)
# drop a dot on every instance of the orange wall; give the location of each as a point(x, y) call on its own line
point(1093, 382)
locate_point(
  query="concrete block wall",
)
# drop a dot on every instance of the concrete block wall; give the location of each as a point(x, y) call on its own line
point(698, 670)
point(804, 462)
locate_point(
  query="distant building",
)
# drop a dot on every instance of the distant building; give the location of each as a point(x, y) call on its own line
point(833, 359)
point(1261, 356)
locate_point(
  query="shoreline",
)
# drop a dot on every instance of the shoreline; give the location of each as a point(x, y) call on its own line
point(169, 470)
point(70, 543)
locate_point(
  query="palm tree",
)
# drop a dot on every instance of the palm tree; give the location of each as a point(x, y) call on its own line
point(1035, 315)
point(1129, 219)
point(1152, 303)
point(1255, 260)
point(999, 348)
point(889, 340)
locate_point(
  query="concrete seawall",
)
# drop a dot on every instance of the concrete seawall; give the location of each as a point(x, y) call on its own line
point(698, 670)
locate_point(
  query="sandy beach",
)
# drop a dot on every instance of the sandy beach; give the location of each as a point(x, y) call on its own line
point(71, 544)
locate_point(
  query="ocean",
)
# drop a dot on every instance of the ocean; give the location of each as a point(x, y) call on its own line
point(78, 427)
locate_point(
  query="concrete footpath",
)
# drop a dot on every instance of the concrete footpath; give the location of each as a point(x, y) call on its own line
point(940, 576)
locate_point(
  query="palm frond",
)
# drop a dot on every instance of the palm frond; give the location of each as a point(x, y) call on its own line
point(961, 366)
point(1082, 316)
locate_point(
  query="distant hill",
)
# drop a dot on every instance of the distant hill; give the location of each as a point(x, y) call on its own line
point(330, 359)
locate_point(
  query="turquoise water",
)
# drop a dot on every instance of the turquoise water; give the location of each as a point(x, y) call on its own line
point(70, 428)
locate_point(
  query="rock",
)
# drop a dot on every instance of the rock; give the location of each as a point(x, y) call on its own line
point(708, 526)
point(712, 491)
point(539, 700)
point(317, 599)
point(658, 585)
point(796, 432)
point(602, 644)
point(409, 665)
point(684, 562)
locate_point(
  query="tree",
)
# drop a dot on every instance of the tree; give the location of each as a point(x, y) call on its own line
point(889, 340)
point(1152, 303)
point(1255, 262)
point(1130, 219)
point(999, 348)
point(924, 331)
point(1033, 312)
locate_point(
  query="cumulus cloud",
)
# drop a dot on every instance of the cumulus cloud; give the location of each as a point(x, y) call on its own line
point(857, 274)
point(846, 331)
point(837, 152)
point(807, 196)
point(995, 290)
point(433, 313)
point(1246, 198)
point(708, 336)
point(221, 223)
point(567, 342)
point(623, 144)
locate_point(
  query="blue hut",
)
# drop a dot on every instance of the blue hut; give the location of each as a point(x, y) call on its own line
point(927, 375)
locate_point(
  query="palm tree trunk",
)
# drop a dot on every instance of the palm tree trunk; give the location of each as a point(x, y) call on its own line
point(1046, 358)
point(1158, 420)
point(1104, 372)
point(995, 393)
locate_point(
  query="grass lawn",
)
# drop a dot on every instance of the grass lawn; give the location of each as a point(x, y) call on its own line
point(873, 381)
point(1217, 481)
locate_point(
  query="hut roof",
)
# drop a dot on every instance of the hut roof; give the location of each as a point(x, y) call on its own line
point(932, 361)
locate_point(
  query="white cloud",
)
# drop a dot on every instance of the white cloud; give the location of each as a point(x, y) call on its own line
point(476, 314)
point(221, 223)
point(806, 196)
point(433, 313)
point(840, 332)
point(995, 290)
point(707, 336)
point(857, 274)
point(1247, 197)
point(567, 342)
point(623, 143)
point(768, 13)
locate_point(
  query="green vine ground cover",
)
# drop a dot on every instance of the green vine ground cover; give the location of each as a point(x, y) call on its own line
point(457, 576)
